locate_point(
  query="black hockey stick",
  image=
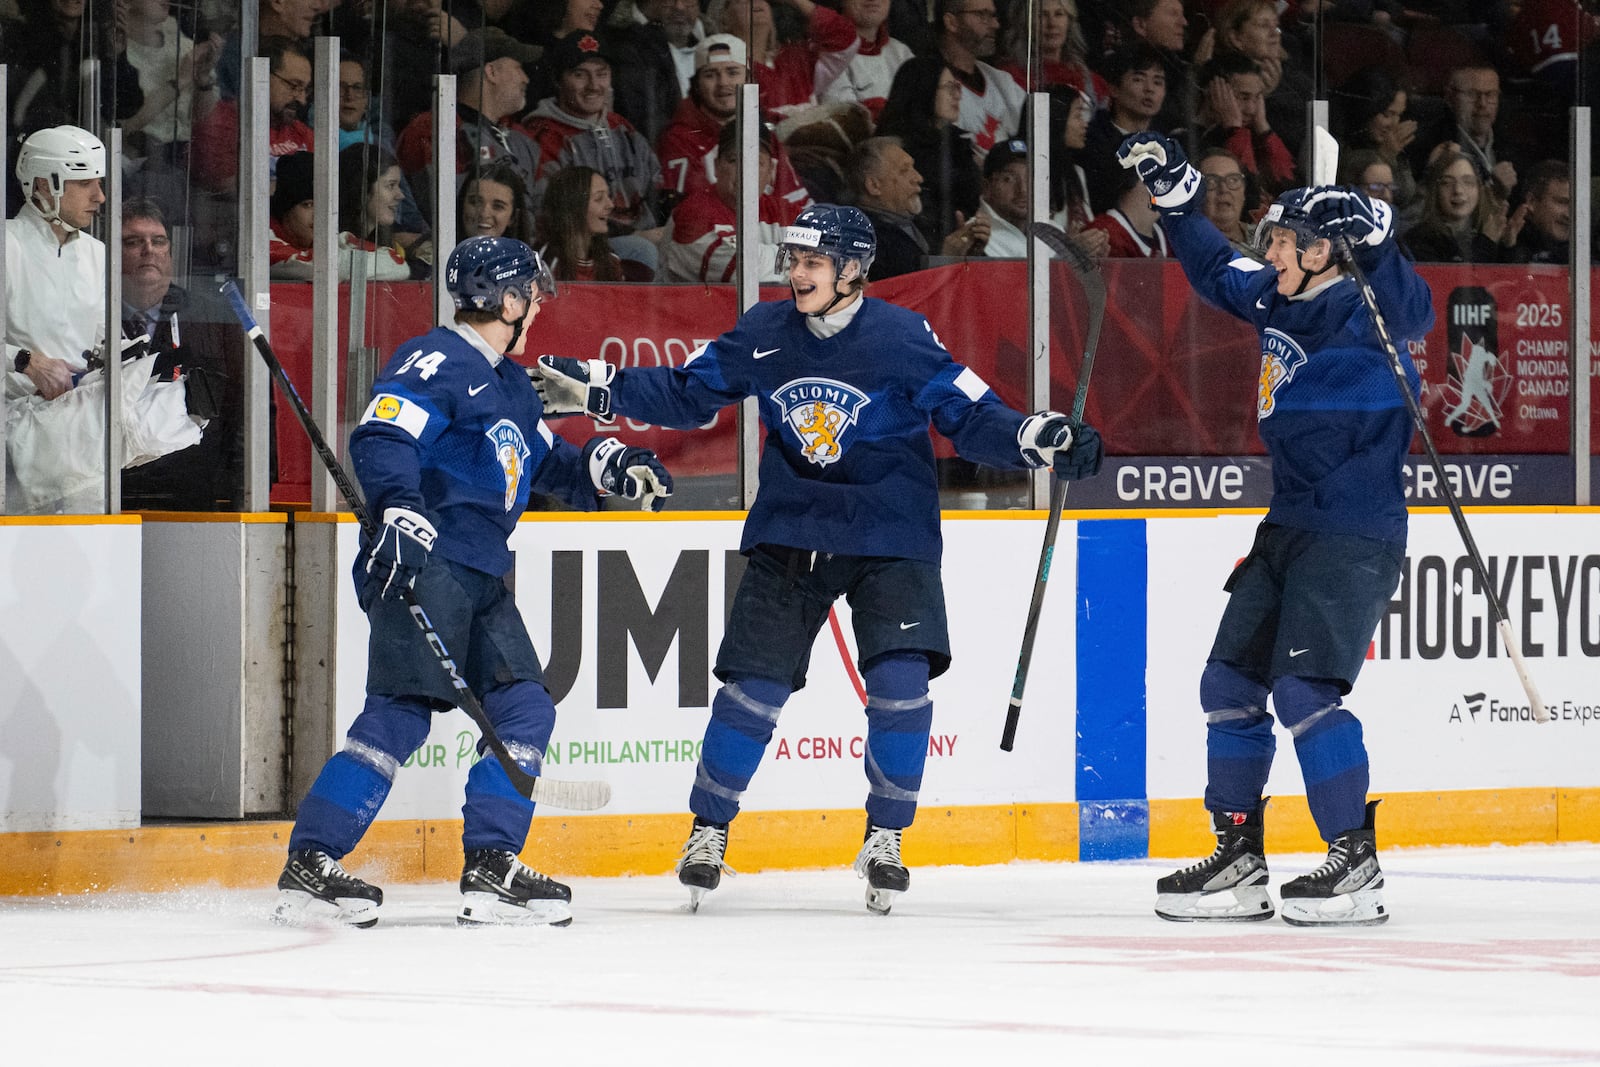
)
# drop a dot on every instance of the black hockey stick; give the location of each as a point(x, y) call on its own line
point(1094, 289)
point(574, 796)
point(1496, 609)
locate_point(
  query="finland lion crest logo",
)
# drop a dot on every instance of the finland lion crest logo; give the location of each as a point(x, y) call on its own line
point(820, 411)
point(1280, 358)
point(511, 451)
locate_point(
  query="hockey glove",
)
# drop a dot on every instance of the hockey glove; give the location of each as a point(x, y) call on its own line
point(631, 473)
point(1175, 186)
point(1082, 458)
point(574, 386)
point(1042, 435)
point(401, 550)
point(1343, 214)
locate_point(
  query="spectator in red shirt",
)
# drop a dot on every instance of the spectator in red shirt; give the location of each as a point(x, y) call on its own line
point(866, 79)
point(704, 244)
point(1062, 55)
point(215, 151)
point(491, 87)
point(689, 146)
point(1233, 115)
point(494, 203)
point(787, 73)
point(1132, 224)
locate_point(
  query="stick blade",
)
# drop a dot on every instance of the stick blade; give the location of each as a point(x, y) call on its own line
point(1061, 245)
point(571, 795)
point(1325, 158)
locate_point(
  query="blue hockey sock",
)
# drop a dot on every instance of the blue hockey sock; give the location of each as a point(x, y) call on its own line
point(899, 716)
point(495, 815)
point(352, 785)
point(1333, 757)
point(743, 715)
point(1239, 740)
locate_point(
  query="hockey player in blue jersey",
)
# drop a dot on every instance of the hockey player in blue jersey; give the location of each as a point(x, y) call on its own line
point(448, 452)
point(1303, 604)
point(848, 506)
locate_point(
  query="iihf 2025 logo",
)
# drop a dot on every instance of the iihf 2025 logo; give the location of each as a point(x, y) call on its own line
point(820, 411)
point(1280, 358)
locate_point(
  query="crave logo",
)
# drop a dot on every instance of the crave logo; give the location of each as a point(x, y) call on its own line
point(821, 412)
point(1281, 357)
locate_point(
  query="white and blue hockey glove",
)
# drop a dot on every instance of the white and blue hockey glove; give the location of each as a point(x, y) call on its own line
point(1174, 185)
point(1050, 439)
point(401, 550)
point(617, 469)
point(569, 386)
point(1345, 214)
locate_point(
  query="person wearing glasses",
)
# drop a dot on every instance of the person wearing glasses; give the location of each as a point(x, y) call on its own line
point(1370, 172)
point(215, 152)
point(1228, 189)
point(991, 99)
point(1473, 94)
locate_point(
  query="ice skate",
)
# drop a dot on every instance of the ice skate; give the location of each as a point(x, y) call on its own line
point(1347, 890)
point(701, 866)
point(879, 863)
point(497, 889)
point(313, 887)
point(1230, 885)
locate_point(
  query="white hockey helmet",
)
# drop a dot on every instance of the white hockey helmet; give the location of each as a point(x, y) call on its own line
point(59, 154)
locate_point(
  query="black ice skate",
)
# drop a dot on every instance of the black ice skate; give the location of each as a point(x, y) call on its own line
point(499, 889)
point(1347, 890)
point(879, 863)
point(1230, 885)
point(701, 866)
point(313, 886)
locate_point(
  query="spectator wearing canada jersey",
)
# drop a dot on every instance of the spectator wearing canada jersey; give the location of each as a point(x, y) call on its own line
point(789, 74)
point(215, 150)
point(1545, 40)
point(491, 86)
point(577, 128)
point(867, 77)
point(704, 245)
point(991, 99)
point(688, 147)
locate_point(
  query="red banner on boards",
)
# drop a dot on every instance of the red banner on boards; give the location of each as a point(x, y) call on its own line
point(1173, 377)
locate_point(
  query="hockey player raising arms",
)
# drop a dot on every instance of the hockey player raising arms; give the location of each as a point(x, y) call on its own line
point(448, 453)
point(848, 506)
point(1304, 603)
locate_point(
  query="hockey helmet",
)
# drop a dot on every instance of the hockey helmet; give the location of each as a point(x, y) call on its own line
point(59, 154)
point(1288, 212)
point(840, 232)
point(481, 270)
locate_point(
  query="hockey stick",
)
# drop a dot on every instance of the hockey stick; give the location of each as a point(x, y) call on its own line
point(1094, 289)
point(572, 795)
point(1496, 609)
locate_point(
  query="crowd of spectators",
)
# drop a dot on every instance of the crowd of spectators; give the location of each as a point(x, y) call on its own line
point(1454, 112)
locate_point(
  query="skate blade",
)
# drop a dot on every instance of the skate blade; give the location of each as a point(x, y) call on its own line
point(1240, 904)
point(296, 907)
point(879, 901)
point(1364, 907)
point(486, 909)
point(696, 895)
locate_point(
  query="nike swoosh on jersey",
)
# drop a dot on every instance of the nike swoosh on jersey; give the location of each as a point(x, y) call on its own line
point(909, 625)
point(476, 389)
point(760, 354)
point(1260, 305)
point(1293, 652)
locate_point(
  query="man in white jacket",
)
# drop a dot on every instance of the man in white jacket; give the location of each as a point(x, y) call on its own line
point(55, 272)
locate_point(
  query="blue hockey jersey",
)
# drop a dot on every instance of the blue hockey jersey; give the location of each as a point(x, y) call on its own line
point(848, 463)
point(1327, 405)
point(459, 436)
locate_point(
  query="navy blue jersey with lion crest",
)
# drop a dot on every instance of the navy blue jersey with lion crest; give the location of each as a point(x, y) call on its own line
point(455, 431)
point(848, 464)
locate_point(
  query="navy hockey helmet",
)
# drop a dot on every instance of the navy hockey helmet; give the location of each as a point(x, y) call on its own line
point(1288, 212)
point(840, 232)
point(481, 270)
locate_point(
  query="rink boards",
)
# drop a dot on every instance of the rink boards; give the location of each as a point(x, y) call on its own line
point(1109, 759)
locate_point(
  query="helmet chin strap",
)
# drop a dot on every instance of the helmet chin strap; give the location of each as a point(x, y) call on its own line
point(837, 296)
point(516, 326)
point(51, 214)
point(1307, 275)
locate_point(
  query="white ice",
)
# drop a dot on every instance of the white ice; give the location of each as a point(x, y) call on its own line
point(1492, 958)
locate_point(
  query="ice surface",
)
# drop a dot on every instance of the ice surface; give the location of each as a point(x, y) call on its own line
point(1492, 958)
